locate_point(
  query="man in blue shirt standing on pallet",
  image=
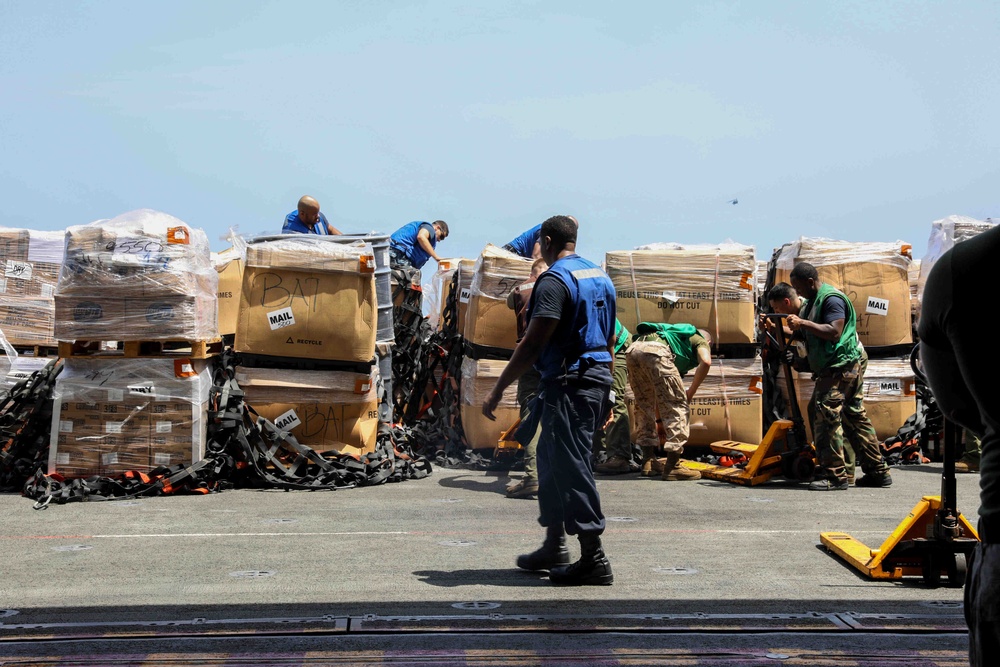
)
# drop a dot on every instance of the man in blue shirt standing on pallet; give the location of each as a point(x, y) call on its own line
point(570, 338)
point(415, 242)
point(307, 219)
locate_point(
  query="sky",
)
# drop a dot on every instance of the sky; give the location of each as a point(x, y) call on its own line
point(859, 121)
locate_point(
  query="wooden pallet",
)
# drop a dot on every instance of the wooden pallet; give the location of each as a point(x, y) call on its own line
point(36, 350)
point(137, 349)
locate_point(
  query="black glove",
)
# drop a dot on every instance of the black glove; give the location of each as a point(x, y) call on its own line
point(789, 356)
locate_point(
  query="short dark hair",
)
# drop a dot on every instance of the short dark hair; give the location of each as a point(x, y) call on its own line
point(804, 271)
point(781, 291)
point(443, 225)
point(561, 229)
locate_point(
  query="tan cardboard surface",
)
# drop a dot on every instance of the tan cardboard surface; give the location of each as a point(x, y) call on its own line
point(488, 320)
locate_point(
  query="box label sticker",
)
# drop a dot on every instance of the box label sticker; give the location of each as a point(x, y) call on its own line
point(109, 459)
point(877, 306)
point(48, 291)
point(890, 387)
point(367, 264)
point(19, 270)
point(142, 390)
point(65, 426)
point(183, 368)
point(287, 421)
point(161, 459)
point(113, 427)
point(279, 319)
point(178, 235)
point(116, 395)
point(164, 427)
point(3, 285)
point(62, 458)
point(465, 295)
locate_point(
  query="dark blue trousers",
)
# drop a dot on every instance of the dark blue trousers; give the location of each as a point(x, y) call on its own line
point(567, 492)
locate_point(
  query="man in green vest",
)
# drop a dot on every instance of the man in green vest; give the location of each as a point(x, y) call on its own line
point(659, 357)
point(835, 357)
point(616, 437)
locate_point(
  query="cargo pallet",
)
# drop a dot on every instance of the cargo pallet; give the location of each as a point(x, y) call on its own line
point(138, 349)
point(36, 350)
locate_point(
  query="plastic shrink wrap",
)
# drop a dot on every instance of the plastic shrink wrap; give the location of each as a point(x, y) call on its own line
point(488, 320)
point(30, 261)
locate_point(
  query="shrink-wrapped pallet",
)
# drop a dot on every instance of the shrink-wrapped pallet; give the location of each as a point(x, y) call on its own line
point(728, 404)
point(30, 262)
point(478, 378)
point(324, 410)
point(712, 287)
point(114, 415)
point(489, 321)
point(889, 394)
point(945, 234)
point(229, 264)
point(442, 284)
point(308, 299)
point(873, 275)
point(144, 275)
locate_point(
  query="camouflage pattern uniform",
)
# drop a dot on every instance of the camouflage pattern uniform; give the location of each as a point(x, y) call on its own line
point(658, 387)
point(527, 389)
point(617, 439)
point(837, 410)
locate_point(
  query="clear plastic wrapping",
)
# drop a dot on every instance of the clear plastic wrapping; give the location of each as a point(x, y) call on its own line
point(479, 376)
point(113, 415)
point(488, 321)
point(497, 272)
point(30, 262)
point(306, 253)
point(827, 252)
point(28, 321)
point(945, 233)
point(144, 275)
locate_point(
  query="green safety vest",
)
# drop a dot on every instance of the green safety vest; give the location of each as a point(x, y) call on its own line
point(829, 353)
point(678, 338)
point(622, 336)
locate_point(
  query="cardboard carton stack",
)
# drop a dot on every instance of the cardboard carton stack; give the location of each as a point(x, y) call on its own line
point(30, 262)
point(712, 287)
point(442, 282)
point(945, 234)
point(489, 322)
point(873, 275)
point(306, 327)
point(114, 415)
point(229, 265)
point(889, 394)
point(143, 276)
point(728, 404)
point(478, 378)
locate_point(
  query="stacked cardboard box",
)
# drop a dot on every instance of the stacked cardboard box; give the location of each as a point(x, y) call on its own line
point(442, 282)
point(30, 262)
point(710, 286)
point(114, 415)
point(889, 394)
point(229, 264)
point(489, 322)
point(143, 275)
point(728, 404)
point(324, 410)
point(874, 276)
point(478, 378)
point(945, 234)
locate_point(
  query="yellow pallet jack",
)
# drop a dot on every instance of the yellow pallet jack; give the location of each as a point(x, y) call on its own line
point(784, 449)
point(507, 446)
point(934, 539)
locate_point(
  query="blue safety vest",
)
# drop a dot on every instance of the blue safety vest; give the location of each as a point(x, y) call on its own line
point(404, 241)
point(585, 334)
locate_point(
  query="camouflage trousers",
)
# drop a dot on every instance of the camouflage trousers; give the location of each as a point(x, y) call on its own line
point(837, 411)
point(527, 388)
point(658, 389)
point(617, 438)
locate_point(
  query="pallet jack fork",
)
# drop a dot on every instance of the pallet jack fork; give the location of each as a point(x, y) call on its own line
point(507, 445)
point(784, 449)
point(934, 539)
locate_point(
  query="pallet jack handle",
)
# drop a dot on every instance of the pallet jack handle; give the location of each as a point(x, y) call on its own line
point(782, 344)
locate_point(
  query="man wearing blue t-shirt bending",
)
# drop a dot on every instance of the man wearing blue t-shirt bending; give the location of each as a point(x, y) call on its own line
point(526, 245)
point(307, 219)
point(414, 243)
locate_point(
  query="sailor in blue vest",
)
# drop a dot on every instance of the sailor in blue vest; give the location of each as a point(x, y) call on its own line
point(307, 219)
point(414, 243)
point(570, 338)
point(526, 245)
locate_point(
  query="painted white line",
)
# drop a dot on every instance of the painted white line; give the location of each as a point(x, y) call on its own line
point(398, 532)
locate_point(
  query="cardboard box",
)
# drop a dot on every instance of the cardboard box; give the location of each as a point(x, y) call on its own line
point(488, 320)
point(889, 394)
point(178, 317)
point(728, 404)
point(324, 410)
point(478, 378)
point(874, 276)
point(230, 286)
point(711, 287)
point(28, 321)
point(308, 301)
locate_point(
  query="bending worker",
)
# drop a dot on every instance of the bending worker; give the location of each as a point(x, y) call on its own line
point(414, 243)
point(571, 326)
point(307, 219)
point(659, 357)
point(526, 245)
point(838, 365)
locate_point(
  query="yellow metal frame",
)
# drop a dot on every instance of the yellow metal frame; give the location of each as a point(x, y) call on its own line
point(762, 466)
point(507, 443)
point(872, 562)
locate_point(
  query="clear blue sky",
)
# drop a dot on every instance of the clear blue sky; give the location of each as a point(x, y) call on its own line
point(850, 120)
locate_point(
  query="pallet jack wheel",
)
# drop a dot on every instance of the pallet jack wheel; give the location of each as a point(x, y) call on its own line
point(957, 570)
point(801, 467)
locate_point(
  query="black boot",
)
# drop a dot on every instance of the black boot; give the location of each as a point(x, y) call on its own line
point(553, 552)
point(593, 568)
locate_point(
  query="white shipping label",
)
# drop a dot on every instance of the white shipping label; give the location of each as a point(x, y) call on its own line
point(877, 306)
point(465, 295)
point(109, 459)
point(62, 458)
point(287, 421)
point(279, 319)
point(113, 427)
point(116, 395)
point(890, 387)
point(161, 459)
point(670, 296)
point(65, 426)
point(14, 377)
point(164, 427)
point(48, 291)
point(19, 270)
point(142, 390)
